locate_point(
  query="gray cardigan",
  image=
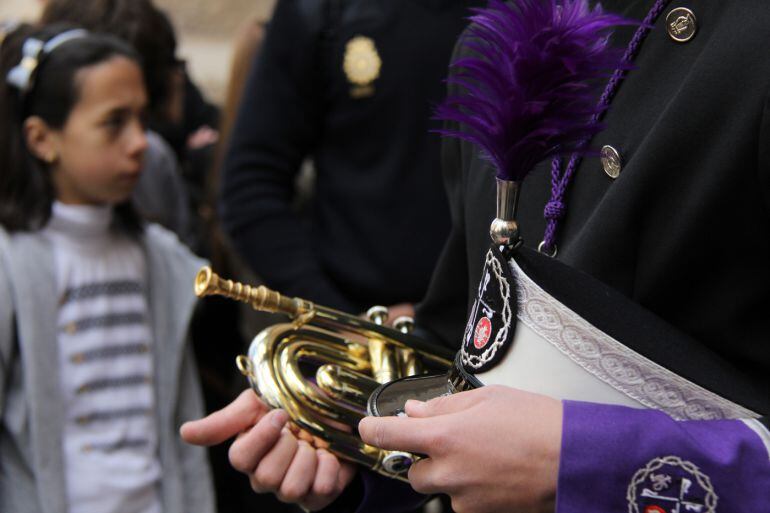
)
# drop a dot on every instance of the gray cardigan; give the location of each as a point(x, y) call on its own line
point(31, 456)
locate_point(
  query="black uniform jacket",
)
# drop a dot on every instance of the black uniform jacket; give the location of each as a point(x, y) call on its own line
point(685, 229)
point(379, 217)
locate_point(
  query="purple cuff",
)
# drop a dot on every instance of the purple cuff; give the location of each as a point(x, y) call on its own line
point(618, 459)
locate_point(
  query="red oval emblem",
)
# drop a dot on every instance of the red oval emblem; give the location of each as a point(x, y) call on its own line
point(482, 332)
point(654, 509)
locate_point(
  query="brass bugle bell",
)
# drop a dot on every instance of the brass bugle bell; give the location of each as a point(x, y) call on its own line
point(322, 367)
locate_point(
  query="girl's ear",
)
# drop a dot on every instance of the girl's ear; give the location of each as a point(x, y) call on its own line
point(41, 140)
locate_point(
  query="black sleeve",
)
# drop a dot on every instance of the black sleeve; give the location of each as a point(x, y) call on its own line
point(279, 123)
point(764, 151)
point(443, 310)
point(442, 313)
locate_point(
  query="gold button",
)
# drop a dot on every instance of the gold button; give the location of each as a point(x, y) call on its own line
point(681, 24)
point(611, 161)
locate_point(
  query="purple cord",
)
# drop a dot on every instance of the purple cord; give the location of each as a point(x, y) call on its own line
point(556, 208)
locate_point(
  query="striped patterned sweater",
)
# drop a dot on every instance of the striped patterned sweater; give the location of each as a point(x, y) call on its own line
point(106, 367)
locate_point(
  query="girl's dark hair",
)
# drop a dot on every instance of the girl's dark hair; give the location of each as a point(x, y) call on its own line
point(138, 22)
point(26, 187)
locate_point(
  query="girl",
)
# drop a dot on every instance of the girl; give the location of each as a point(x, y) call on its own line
point(95, 377)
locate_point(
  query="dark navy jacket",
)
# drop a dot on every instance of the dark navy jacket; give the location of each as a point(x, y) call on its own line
point(380, 214)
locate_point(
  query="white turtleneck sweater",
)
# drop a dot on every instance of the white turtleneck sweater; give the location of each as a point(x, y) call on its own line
point(104, 345)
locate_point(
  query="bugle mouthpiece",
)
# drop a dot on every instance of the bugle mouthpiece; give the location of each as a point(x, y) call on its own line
point(209, 283)
point(204, 282)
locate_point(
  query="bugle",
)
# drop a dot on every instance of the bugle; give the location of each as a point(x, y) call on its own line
point(322, 366)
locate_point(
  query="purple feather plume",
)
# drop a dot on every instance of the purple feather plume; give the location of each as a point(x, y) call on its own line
point(530, 81)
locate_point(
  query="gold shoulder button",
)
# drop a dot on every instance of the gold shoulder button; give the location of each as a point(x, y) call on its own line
point(681, 24)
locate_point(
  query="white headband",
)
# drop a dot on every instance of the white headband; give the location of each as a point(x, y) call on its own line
point(21, 76)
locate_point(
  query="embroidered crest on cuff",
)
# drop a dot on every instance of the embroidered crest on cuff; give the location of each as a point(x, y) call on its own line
point(671, 485)
point(492, 320)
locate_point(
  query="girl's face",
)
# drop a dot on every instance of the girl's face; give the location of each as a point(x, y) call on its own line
point(100, 148)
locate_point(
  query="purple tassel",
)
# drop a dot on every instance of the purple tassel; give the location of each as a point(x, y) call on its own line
point(530, 81)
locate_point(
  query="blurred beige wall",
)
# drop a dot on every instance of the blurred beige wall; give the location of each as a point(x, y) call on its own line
point(18, 8)
point(204, 27)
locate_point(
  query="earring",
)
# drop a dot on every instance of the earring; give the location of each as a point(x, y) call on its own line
point(52, 157)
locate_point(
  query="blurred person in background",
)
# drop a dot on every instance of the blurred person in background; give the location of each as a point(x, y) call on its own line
point(95, 371)
point(175, 107)
point(350, 85)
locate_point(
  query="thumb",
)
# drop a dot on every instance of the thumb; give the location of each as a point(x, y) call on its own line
point(238, 416)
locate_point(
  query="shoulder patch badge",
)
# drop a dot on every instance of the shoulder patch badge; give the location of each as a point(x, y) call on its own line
point(362, 66)
point(492, 321)
point(671, 485)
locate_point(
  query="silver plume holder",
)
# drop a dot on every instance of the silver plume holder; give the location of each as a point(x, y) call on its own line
point(504, 229)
